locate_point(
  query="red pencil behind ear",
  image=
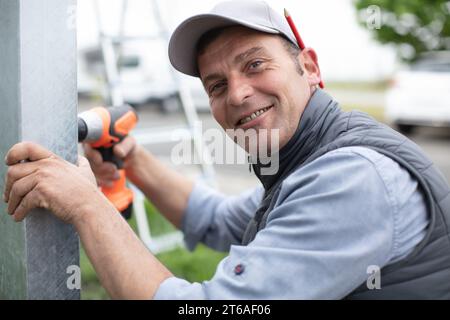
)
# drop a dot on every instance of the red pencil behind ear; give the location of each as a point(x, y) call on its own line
point(297, 36)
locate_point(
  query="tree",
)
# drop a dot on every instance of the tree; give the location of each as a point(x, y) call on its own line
point(413, 26)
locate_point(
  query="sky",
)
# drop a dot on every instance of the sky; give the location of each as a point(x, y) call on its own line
point(345, 49)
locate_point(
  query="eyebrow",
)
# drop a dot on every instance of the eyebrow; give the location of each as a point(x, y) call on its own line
point(244, 55)
point(210, 77)
point(239, 58)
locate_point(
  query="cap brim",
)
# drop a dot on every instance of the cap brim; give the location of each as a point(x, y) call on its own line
point(183, 43)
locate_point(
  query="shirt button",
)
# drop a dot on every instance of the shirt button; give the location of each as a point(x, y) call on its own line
point(239, 269)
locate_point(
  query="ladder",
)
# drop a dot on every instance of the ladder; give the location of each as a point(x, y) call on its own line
point(111, 48)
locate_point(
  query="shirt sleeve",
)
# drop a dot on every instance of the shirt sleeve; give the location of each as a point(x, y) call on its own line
point(217, 220)
point(330, 224)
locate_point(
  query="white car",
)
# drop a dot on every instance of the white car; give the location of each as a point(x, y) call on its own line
point(420, 96)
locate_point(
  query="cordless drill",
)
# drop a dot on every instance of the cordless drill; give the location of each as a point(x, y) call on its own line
point(102, 128)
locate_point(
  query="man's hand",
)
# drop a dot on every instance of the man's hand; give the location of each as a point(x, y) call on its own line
point(107, 172)
point(37, 178)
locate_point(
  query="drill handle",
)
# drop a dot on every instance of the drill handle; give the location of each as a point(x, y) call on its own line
point(108, 155)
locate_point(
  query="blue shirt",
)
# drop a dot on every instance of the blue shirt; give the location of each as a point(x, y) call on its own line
point(347, 210)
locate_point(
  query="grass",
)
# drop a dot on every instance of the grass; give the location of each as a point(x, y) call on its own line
point(376, 112)
point(196, 266)
point(359, 85)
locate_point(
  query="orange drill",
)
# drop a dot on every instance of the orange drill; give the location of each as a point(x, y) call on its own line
point(102, 128)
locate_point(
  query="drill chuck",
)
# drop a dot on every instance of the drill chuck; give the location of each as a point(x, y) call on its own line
point(90, 127)
point(82, 130)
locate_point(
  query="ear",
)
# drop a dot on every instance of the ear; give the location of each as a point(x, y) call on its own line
point(311, 64)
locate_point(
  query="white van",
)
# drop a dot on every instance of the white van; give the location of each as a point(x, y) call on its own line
point(420, 96)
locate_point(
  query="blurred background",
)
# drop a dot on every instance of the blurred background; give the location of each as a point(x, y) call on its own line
point(390, 59)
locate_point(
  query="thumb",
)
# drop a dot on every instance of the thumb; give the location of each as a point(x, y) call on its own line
point(124, 148)
point(83, 162)
point(86, 170)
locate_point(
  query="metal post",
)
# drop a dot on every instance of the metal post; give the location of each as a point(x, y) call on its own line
point(38, 102)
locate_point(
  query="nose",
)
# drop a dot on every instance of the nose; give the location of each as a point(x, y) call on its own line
point(239, 89)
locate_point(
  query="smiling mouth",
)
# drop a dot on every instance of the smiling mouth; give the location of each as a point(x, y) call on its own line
point(254, 115)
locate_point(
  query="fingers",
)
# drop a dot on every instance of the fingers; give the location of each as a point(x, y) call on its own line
point(17, 172)
point(104, 169)
point(94, 157)
point(125, 147)
point(107, 170)
point(26, 151)
point(29, 202)
point(121, 150)
point(108, 183)
point(19, 190)
point(106, 173)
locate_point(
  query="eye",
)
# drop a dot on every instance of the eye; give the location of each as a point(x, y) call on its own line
point(255, 64)
point(216, 87)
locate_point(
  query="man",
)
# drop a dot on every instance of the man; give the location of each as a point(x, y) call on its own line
point(350, 195)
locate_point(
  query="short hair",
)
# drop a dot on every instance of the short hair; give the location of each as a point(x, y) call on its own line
point(209, 37)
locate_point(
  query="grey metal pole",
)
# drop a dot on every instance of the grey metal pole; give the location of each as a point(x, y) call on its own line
point(38, 102)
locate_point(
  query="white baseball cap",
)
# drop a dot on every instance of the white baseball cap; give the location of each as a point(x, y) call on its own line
point(257, 15)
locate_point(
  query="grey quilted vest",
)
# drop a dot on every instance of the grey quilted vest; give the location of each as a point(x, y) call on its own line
point(425, 273)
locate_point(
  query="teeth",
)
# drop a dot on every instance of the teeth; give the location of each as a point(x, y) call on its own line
point(254, 115)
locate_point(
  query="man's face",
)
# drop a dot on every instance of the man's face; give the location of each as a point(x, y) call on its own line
point(245, 71)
